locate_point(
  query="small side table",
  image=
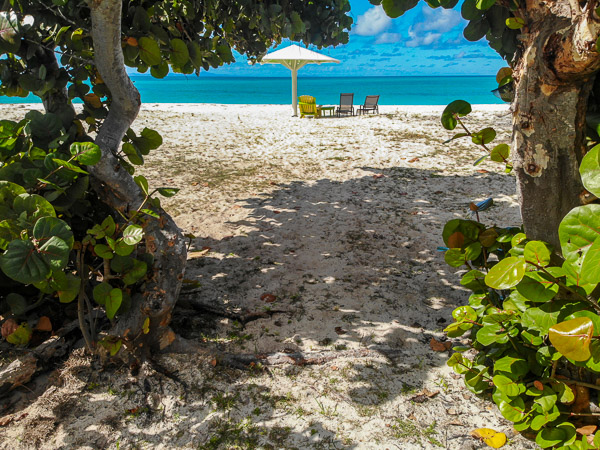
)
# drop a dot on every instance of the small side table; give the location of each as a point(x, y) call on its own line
point(329, 109)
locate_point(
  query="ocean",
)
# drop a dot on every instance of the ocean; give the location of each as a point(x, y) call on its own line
point(438, 90)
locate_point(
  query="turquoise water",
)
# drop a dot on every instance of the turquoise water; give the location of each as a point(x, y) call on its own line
point(255, 90)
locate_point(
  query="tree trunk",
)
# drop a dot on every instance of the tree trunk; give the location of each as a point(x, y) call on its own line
point(554, 74)
point(117, 188)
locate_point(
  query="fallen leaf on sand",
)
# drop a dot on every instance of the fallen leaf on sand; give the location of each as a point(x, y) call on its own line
point(493, 438)
point(269, 298)
point(213, 362)
point(423, 396)
point(340, 330)
point(44, 324)
point(483, 171)
point(9, 327)
point(438, 346)
point(379, 175)
point(587, 430)
point(413, 160)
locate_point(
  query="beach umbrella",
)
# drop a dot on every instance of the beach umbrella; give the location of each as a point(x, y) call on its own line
point(294, 58)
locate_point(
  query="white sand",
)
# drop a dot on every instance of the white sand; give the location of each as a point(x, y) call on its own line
point(339, 219)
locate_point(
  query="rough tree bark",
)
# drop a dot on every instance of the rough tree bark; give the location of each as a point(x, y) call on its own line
point(117, 188)
point(554, 75)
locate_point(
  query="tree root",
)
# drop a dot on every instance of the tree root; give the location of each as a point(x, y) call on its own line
point(43, 357)
point(187, 300)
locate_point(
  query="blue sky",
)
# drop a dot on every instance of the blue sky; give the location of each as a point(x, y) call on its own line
point(423, 41)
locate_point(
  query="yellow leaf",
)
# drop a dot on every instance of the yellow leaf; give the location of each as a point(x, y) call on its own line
point(146, 326)
point(493, 438)
point(93, 100)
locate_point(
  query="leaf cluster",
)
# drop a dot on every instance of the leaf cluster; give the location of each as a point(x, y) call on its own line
point(532, 315)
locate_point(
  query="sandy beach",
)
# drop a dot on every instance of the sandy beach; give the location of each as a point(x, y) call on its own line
point(329, 229)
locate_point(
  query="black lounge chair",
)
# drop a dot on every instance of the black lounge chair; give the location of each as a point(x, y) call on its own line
point(346, 104)
point(370, 105)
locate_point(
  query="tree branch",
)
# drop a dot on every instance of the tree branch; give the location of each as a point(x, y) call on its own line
point(117, 188)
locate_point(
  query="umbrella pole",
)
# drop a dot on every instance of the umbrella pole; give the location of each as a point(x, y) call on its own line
point(295, 91)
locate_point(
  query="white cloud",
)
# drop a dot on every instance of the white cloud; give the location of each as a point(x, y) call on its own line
point(440, 20)
point(434, 24)
point(388, 38)
point(372, 22)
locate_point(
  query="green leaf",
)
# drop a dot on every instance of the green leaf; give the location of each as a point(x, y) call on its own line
point(458, 108)
point(136, 273)
point(508, 386)
point(463, 313)
point(514, 23)
point(133, 234)
point(69, 166)
point(489, 334)
point(121, 264)
point(101, 292)
point(537, 287)
point(500, 153)
point(107, 228)
point(23, 263)
point(590, 170)
point(538, 253)
point(476, 29)
point(113, 302)
point(160, 71)
point(506, 274)
point(516, 366)
point(484, 4)
point(48, 227)
point(572, 338)
point(590, 266)
point(133, 154)
point(540, 319)
point(87, 153)
point(474, 280)
point(454, 257)
point(142, 182)
point(149, 51)
point(167, 192)
point(542, 419)
point(513, 410)
point(45, 127)
point(553, 436)
point(21, 336)
point(149, 140)
point(395, 8)
point(179, 53)
point(578, 230)
point(55, 253)
point(484, 136)
point(122, 248)
point(547, 400)
point(480, 160)
point(103, 251)
point(69, 291)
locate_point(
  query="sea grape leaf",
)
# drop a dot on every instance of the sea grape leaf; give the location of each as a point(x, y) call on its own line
point(538, 253)
point(590, 266)
point(113, 302)
point(70, 290)
point(507, 273)
point(458, 108)
point(484, 136)
point(86, 153)
point(590, 170)
point(395, 8)
point(513, 410)
point(136, 273)
point(133, 234)
point(537, 287)
point(101, 292)
point(17, 303)
point(179, 53)
point(492, 438)
point(508, 386)
point(149, 51)
point(578, 230)
point(572, 338)
point(48, 227)
point(500, 153)
point(23, 263)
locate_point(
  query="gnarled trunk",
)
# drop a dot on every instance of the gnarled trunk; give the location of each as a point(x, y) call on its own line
point(554, 75)
point(117, 188)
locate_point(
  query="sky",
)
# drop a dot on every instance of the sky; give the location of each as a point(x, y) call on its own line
point(422, 42)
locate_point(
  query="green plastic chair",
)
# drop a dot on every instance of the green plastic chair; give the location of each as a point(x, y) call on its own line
point(308, 106)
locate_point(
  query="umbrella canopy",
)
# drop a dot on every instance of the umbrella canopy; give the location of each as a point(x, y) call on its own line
point(294, 58)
